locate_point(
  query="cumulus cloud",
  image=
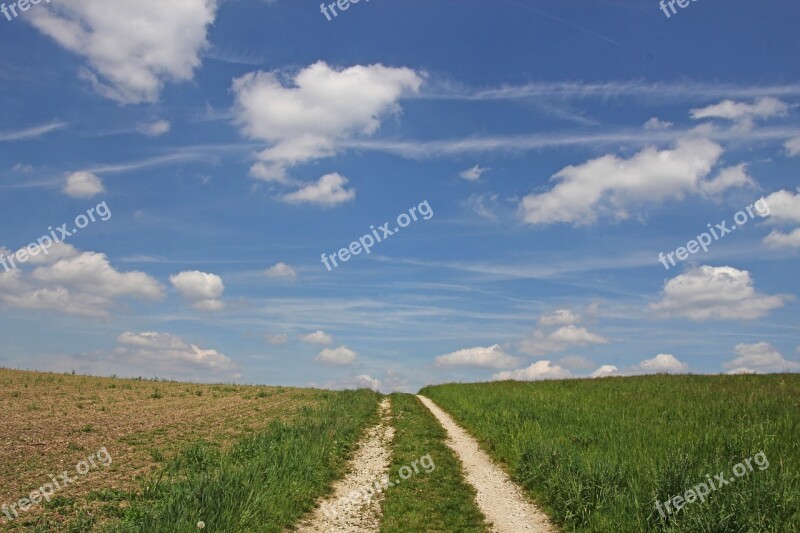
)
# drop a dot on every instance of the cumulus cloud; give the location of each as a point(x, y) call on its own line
point(558, 341)
point(778, 239)
point(657, 124)
point(604, 371)
point(132, 50)
point(360, 381)
point(474, 173)
point(83, 185)
point(537, 371)
point(164, 353)
point(309, 115)
point(73, 282)
point(328, 191)
point(792, 147)
point(281, 271)
point(758, 358)
point(155, 128)
point(741, 113)
point(488, 357)
point(715, 293)
point(336, 356)
point(318, 337)
point(613, 186)
point(728, 178)
point(662, 363)
point(559, 317)
point(784, 210)
point(203, 290)
point(784, 207)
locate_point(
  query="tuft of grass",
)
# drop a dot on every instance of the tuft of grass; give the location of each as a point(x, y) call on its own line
point(597, 454)
point(264, 482)
point(439, 500)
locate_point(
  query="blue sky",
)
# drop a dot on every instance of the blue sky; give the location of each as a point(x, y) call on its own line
point(561, 147)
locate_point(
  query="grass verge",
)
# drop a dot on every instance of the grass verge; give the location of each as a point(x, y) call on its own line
point(264, 482)
point(597, 454)
point(436, 499)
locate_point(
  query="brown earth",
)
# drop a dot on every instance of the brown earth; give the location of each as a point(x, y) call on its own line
point(50, 422)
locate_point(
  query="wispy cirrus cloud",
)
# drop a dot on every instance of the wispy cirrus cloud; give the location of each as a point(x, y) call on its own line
point(634, 137)
point(31, 133)
point(672, 91)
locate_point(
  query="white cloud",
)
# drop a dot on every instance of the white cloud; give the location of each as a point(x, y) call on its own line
point(203, 290)
point(661, 363)
point(741, 113)
point(784, 210)
point(792, 147)
point(166, 353)
point(31, 133)
point(784, 207)
point(537, 371)
point(559, 340)
point(483, 204)
point(281, 271)
point(282, 338)
point(757, 358)
point(604, 371)
point(134, 48)
point(715, 293)
point(559, 317)
point(361, 381)
point(728, 178)
point(155, 128)
point(72, 282)
point(309, 115)
point(328, 191)
point(474, 173)
point(336, 356)
point(83, 185)
point(610, 185)
point(656, 124)
point(318, 337)
point(488, 357)
point(779, 239)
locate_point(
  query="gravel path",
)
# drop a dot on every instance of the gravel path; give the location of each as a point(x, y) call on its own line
point(498, 497)
point(354, 506)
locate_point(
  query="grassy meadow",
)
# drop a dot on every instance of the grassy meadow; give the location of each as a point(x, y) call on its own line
point(597, 454)
point(158, 433)
point(437, 501)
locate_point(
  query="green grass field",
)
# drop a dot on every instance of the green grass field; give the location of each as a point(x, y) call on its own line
point(439, 500)
point(597, 454)
point(265, 482)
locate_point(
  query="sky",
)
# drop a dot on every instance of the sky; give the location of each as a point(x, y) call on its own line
point(400, 193)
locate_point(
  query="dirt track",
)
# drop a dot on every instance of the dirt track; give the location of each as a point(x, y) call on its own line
point(348, 512)
point(499, 498)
